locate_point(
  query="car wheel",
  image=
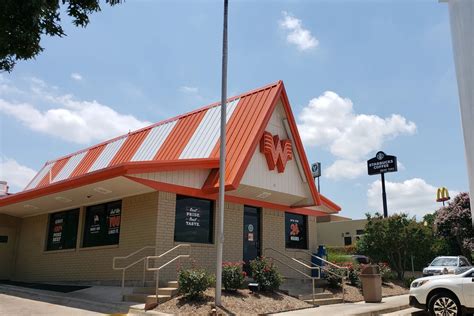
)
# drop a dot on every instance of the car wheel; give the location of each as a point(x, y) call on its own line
point(444, 304)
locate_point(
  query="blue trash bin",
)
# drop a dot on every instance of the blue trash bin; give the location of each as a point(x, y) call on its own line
point(321, 253)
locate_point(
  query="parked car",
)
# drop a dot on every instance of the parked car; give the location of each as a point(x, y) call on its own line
point(447, 294)
point(447, 265)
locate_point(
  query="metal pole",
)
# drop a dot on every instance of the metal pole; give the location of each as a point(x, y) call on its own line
point(384, 196)
point(319, 187)
point(220, 238)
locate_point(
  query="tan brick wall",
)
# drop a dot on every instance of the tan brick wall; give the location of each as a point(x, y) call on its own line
point(138, 229)
point(273, 236)
point(10, 227)
point(203, 255)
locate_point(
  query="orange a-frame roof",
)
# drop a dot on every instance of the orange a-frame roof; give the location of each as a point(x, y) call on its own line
point(187, 141)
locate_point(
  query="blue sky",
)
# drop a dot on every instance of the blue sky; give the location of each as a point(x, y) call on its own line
point(351, 64)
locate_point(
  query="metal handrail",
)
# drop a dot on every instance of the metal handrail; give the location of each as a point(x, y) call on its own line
point(124, 269)
point(157, 270)
point(343, 276)
point(295, 269)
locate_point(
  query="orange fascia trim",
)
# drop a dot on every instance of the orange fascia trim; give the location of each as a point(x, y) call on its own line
point(108, 173)
point(327, 202)
point(210, 184)
point(178, 189)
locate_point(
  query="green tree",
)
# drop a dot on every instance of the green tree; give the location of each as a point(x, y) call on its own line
point(23, 22)
point(394, 240)
point(454, 224)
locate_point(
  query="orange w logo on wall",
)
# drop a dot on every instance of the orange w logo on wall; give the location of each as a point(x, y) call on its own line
point(276, 151)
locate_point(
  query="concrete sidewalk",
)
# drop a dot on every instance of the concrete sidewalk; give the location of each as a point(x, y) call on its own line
point(388, 305)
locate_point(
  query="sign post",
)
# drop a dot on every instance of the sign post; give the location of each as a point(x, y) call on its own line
point(316, 172)
point(442, 195)
point(381, 164)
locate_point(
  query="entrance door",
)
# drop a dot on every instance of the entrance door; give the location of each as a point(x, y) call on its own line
point(251, 235)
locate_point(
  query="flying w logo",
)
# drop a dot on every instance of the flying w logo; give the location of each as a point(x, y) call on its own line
point(276, 151)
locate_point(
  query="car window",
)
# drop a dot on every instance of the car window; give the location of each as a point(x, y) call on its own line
point(444, 262)
point(463, 262)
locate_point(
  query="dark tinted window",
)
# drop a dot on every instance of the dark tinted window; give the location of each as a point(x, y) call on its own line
point(3, 239)
point(102, 224)
point(347, 241)
point(62, 230)
point(296, 234)
point(360, 231)
point(194, 220)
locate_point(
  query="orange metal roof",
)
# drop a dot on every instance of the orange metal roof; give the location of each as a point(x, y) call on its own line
point(190, 137)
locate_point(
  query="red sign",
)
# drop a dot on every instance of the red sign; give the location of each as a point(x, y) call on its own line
point(276, 151)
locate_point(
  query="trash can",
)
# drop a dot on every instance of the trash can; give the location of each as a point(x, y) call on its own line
point(371, 284)
point(317, 262)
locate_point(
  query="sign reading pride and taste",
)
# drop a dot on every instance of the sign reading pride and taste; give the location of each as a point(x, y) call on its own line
point(277, 152)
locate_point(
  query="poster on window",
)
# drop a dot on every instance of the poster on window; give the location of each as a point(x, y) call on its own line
point(103, 224)
point(114, 220)
point(295, 226)
point(62, 230)
point(193, 215)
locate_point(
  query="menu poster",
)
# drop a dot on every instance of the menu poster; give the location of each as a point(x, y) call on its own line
point(114, 221)
point(62, 231)
point(193, 216)
point(295, 233)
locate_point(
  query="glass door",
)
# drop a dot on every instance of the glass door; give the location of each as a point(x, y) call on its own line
point(251, 235)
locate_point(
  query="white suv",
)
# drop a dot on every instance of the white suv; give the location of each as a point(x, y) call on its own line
point(446, 295)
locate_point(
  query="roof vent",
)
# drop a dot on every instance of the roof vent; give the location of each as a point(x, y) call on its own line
point(62, 199)
point(264, 195)
point(3, 188)
point(31, 207)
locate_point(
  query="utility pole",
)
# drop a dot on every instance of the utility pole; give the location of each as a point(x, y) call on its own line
point(220, 238)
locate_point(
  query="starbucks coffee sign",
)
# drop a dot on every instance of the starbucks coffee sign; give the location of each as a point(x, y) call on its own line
point(381, 163)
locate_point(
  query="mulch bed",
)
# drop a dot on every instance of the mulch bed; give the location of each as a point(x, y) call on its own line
point(234, 303)
point(354, 294)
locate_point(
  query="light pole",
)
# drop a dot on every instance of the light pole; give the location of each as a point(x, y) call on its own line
point(220, 237)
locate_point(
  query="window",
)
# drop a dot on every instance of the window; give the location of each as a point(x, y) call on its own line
point(62, 230)
point(360, 232)
point(347, 241)
point(194, 220)
point(296, 235)
point(3, 239)
point(102, 224)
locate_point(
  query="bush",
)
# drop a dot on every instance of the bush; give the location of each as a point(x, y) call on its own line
point(265, 274)
point(341, 250)
point(193, 282)
point(386, 273)
point(232, 276)
point(333, 276)
point(407, 281)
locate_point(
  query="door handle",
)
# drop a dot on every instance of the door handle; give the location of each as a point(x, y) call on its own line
point(472, 280)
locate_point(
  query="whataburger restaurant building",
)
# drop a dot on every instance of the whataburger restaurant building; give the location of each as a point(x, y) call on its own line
point(158, 187)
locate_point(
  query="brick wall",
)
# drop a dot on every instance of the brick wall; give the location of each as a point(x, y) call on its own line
point(202, 255)
point(9, 227)
point(273, 236)
point(137, 230)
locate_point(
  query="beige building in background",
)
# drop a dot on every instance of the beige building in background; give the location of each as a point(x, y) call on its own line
point(340, 232)
point(157, 187)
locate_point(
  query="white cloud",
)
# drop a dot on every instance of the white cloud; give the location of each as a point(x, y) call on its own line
point(330, 121)
point(413, 196)
point(188, 89)
point(76, 76)
point(347, 169)
point(17, 176)
point(70, 119)
point(296, 34)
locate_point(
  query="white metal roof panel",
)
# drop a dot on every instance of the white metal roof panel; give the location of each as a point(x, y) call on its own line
point(69, 167)
point(107, 154)
point(206, 135)
point(153, 141)
point(36, 180)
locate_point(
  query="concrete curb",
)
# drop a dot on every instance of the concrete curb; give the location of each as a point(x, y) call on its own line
point(139, 310)
point(383, 311)
point(105, 308)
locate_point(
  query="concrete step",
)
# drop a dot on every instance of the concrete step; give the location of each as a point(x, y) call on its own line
point(145, 298)
point(305, 297)
point(151, 290)
point(173, 284)
point(325, 301)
